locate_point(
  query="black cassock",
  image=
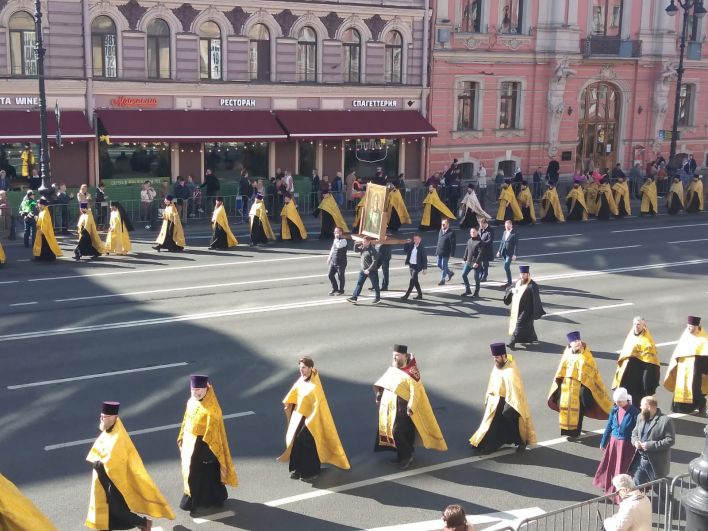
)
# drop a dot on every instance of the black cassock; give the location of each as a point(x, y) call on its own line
point(119, 515)
point(258, 235)
point(435, 220)
point(621, 211)
point(303, 456)
point(204, 480)
point(395, 222)
point(640, 379)
point(295, 235)
point(692, 204)
point(699, 400)
point(674, 207)
point(604, 211)
point(550, 214)
point(530, 309)
point(504, 429)
point(576, 214)
point(327, 227)
point(403, 433)
point(85, 246)
point(46, 254)
point(525, 212)
point(219, 239)
point(469, 220)
point(169, 242)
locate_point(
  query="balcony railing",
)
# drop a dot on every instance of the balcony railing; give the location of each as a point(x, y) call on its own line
point(600, 45)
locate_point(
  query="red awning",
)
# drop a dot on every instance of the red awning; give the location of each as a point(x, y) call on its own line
point(189, 126)
point(23, 126)
point(354, 124)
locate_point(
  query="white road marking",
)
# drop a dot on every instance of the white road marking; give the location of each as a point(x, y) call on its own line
point(299, 305)
point(525, 239)
point(507, 518)
point(10, 282)
point(23, 260)
point(594, 308)
point(581, 251)
point(661, 228)
point(51, 447)
point(98, 375)
point(24, 303)
point(317, 493)
point(213, 517)
point(690, 241)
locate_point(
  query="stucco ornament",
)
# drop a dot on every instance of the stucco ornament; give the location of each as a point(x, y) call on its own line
point(556, 102)
point(660, 103)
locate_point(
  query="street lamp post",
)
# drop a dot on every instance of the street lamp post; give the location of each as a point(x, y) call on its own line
point(696, 499)
point(44, 140)
point(672, 10)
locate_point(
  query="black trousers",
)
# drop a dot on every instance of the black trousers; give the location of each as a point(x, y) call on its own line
point(413, 283)
point(336, 272)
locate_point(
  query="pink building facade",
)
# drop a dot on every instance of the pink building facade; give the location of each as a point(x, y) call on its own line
point(515, 83)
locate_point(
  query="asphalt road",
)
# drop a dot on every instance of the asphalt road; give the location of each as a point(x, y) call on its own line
point(246, 315)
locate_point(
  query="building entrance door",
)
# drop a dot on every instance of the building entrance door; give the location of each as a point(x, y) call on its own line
point(598, 127)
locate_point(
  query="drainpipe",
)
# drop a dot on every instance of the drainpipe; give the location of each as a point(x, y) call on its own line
point(424, 93)
point(89, 98)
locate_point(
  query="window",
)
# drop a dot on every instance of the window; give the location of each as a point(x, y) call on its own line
point(607, 17)
point(307, 55)
point(210, 50)
point(351, 48)
point(467, 105)
point(471, 16)
point(158, 49)
point(229, 159)
point(466, 171)
point(22, 41)
point(148, 160)
point(103, 47)
point(694, 24)
point(686, 104)
point(259, 53)
point(306, 157)
point(509, 105)
point(512, 16)
point(394, 58)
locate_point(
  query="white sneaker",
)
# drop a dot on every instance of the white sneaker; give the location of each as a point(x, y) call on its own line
point(201, 211)
point(148, 227)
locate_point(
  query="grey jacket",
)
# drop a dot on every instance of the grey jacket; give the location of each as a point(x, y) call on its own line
point(660, 437)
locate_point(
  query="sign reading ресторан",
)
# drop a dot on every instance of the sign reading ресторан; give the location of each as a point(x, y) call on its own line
point(237, 102)
point(377, 104)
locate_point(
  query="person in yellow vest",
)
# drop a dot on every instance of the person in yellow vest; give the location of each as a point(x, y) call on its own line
point(590, 192)
point(119, 228)
point(687, 376)
point(330, 216)
point(694, 195)
point(396, 210)
point(648, 195)
point(551, 211)
point(508, 205)
point(525, 200)
point(526, 308)
point(575, 203)
point(638, 367)
point(577, 390)
point(405, 413)
point(259, 223)
point(622, 197)
point(45, 248)
point(291, 226)
point(90, 243)
point(206, 458)
point(434, 210)
point(674, 199)
point(221, 235)
point(605, 204)
point(2, 254)
point(120, 486)
point(311, 438)
point(507, 418)
point(17, 512)
point(171, 235)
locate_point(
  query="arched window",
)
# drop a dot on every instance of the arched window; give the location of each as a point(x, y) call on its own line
point(307, 55)
point(259, 53)
point(394, 57)
point(103, 47)
point(351, 47)
point(210, 50)
point(22, 41)
point(158, 49)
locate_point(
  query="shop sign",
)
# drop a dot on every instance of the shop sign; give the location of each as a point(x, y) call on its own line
point(134, 102)
point(374, 103)
point(237, 102)
point(19, 100)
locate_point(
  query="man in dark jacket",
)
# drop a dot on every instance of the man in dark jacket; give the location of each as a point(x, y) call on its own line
point(337, 262)
point(444, 250)
point(486, 236)
point(417, 261)
point(552, 171)
point(369, 269)
point(244, 190)
point(472, 259)
point(653, 436)
point(507, 249)
point(384, 261)
point(213, 186)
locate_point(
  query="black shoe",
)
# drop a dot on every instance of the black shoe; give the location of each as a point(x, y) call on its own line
point(405, 297)
point(521, 447)
point(507, 285)
point(310, 479)
point(418, 297)
point(351, 299)
point(475, 295)
point(371, 289)
point(333, 292)
point(441, 283)
point(157, 248)
point(466, 293)
point(294, 474)
point(405, 463)
point(384, 289)
point(483, 279)
point(376, 301)
point(511, 345)
point(450, 274)
point(340, 292)
point(77, 257)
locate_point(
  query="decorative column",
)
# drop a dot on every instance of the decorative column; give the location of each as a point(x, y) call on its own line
point(696, 500)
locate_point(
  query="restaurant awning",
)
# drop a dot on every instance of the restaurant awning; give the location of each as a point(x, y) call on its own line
point(189, 126)
point(23, 126)
point(354, 124)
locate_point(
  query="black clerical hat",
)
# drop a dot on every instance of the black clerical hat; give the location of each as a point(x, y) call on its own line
point(498, 349)
point(524, 268)
point(199, 381)
point(110, 408)
point(573, 336)
point(693, 320)
point(401, 349)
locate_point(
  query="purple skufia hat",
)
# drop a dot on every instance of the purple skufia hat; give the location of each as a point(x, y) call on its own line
point(498, 349)
point(693, 320)
point(110, 408)
point(198, 381)
point(259, 196)
point(573, 336)
point(524, 269)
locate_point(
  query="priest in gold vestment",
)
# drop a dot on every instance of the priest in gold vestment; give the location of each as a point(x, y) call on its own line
point(221, 235)
point(687, 376)
point(18, 513)
point(638, 363)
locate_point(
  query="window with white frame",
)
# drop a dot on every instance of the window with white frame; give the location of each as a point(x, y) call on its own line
point(259, 52)
point(512, 16)
point(158, 49)
point(467, 102)
point(104, 47)
point(22, 44)
point(471, 16)
point(307, 55)
point(607, 17)
point(210, 50)
point(394, 58)
point(688, 91)
point(509, 104)
point(351, 54)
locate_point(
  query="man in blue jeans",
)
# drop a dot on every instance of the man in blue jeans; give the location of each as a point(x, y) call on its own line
point(369, 269)
point(486, 235)
point(472, 260)
point(445, 249)
point(507, 249)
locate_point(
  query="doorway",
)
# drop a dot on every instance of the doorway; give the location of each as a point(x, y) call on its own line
point(598, 126)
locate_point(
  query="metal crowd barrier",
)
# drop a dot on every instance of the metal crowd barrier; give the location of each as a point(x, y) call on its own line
point(676, 515)
point(589, 515)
